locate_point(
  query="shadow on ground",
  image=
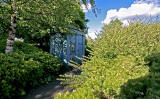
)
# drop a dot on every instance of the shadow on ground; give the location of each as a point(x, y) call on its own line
point(50, 90)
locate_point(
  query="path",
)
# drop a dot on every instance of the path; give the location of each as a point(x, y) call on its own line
point(50, 90)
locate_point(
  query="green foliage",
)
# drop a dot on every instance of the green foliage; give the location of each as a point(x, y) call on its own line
point(3, 40)
point(146, 87)
point(24, 69)
point(51, 64)
point(4, 18)
point(34, 24)
point(89, 45)
point(121, 54)
point(30, 13)
point(92, 2)
point(25, 48)
point(16, 74)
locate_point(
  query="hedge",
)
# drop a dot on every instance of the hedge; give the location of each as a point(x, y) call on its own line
point(26, 68)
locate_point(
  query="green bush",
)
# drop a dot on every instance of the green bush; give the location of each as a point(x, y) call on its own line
point(146, 87)
point(51, 65)
point(25, 48)
point(121, 54)
point(16, 74)
point(18, 46)
point(3, 40)
point(25, 68)
point(89, 44)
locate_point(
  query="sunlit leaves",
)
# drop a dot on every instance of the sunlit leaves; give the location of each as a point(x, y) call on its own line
point(120, 55)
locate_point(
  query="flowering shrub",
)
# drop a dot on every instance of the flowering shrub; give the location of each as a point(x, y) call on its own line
point(122, 65)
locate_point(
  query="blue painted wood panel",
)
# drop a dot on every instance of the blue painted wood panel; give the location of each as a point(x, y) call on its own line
point(68, 47)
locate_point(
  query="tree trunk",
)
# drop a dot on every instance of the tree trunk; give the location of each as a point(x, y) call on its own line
point(12, 29)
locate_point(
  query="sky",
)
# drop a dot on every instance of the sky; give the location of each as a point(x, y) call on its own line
point(124, 10)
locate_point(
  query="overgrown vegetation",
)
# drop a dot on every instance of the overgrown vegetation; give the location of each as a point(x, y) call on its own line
point(89, 45)
point(124, 64)
point(24, 69)
point(34, 24)
point(28, 66)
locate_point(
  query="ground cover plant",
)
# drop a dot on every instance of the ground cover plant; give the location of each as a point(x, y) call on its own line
point(124, 64)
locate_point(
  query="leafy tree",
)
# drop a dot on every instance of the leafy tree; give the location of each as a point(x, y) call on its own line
point(40, 15)
point(112, 24)
point(41, 37)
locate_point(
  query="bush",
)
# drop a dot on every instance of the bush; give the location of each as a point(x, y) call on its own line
point(25, 48)
point(89, 44)
point(26, 68)
point(51, 65)
point(3, 40)
point(121, 54)
point(18, 46)
point(146, 87)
